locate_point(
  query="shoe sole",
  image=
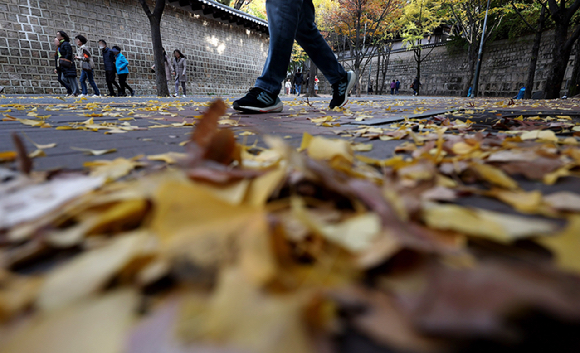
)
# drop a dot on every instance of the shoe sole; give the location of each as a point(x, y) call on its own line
point(272, 109)
point(350, 85)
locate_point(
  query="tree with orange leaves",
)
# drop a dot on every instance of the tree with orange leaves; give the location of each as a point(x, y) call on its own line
point(359, 26)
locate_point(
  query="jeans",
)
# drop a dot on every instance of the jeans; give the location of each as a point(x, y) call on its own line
point(177, 87)
point(124, 85)
point(72, 83)
point(298, 89)
point(110, 76)
point(89, 75)
point(289, 20)
point(60, 77)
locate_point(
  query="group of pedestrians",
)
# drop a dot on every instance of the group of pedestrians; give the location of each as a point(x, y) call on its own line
point(66, 58)
point(395, 86)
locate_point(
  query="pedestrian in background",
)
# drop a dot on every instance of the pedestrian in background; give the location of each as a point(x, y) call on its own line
point(179, 64)
point(168, 68)
point(66, 62)
point(316, 81)
point(397, 86)
point(416, 85)
point(110, 68)
point(298, 80)
point(57, 69)
point(85, 58)
point(121, 64)
point(393, 86)
point(288, 87)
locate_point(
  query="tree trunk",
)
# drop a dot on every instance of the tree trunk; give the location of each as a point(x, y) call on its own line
point(386, 61)
point(378, 71)
point(574, 88)
point(560, 56)
point(471, 61)
point(313, 72)
point(160, 77)
point(155, 22)
point(535, 54)
point(418, 60)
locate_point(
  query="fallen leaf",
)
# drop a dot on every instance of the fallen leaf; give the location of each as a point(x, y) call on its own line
point(89, 272)
point(99, 325)
point(486, 224)
point(563, 201)
point(91, 152)
point(494, 176)
point(7, 156)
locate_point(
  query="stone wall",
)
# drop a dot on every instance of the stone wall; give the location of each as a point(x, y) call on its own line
point(444, 72)
point(222, 59)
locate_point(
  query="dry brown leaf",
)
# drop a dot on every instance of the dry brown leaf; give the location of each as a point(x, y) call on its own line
point(208, 125)
point(563, 201)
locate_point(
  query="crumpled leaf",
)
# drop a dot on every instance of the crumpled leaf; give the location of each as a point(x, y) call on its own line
point(169, 157)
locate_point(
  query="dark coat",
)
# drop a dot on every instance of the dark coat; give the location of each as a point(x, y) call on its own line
point(298, 79)
point(109, 59)
point(66, 52)
point(416, 84)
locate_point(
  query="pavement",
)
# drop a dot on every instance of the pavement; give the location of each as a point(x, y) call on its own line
point(150, 125)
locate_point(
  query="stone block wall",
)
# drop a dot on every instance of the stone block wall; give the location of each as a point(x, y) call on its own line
point(444, 72)
point(223, 59)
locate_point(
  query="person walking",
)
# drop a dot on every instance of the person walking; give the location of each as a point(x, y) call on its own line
point(87, 65)
point(168, 68)
point(316, 81)
point(66, 62)
point(110, 68)
point(290, 20)
point(179, 65)
point(288, 87)
point(416, 85)
point(298, 80)
point(57, 69)
point(397, 86)
point(121, 64)
point(393, 86)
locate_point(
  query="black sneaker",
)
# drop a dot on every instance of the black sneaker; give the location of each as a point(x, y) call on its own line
point(341, 89)
point(259, 101)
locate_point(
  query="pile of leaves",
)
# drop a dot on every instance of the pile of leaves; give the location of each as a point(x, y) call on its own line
point(241, 249)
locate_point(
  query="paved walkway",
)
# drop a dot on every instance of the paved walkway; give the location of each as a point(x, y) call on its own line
point(151, 126)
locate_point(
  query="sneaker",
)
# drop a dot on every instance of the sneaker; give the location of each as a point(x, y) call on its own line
point(184, 96)
point(81, 95)
point(259, 101)
point(341, 89)
point(96, 96)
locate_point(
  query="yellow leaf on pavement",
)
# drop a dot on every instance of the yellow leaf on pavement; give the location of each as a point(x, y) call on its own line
point(169, 157)
point(565, 245)
point(494, 176)
point(326, 149)
point(95, 325)
point(485, 224)
point(527, 202)
point(7, 156)
point(111, 170)
point(541, 135)
point(89, 272)
point(91, 152)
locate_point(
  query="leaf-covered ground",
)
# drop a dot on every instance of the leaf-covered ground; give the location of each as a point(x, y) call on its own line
point(394, 225)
